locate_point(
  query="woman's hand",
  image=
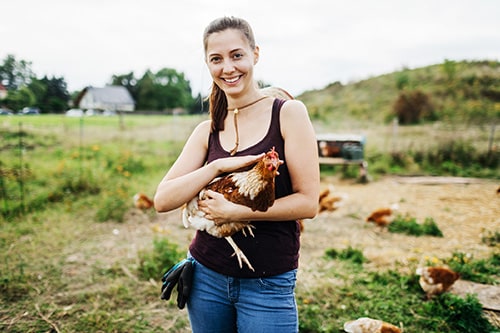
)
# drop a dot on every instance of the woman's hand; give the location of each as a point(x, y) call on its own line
point(229, 164)
point(217, 208)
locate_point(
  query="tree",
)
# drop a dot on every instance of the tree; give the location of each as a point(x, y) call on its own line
point(146, 99)
point(165, 89)
point(52, 94)
point(14, 74)
point(412, 107)
point(17, 99)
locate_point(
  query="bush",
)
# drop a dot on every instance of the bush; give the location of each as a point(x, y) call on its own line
point(408, 225)
point(457, 314)
point(155, 263)
point(413, 107)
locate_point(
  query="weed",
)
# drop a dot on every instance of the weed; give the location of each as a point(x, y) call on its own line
point(155, 263)
point(408, 225)
point(348, 254)
point(481, 271)
point(14, 282)
point(455, 314)
point(491, 238)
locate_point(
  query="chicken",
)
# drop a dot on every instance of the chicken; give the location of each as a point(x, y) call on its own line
point(328, 201)
point(382, 216)
point(436, 280)
point(369, 325)
point(142, 201)
point(253, 188)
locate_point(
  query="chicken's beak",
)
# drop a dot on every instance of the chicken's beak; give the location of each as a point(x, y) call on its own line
point(274, 165)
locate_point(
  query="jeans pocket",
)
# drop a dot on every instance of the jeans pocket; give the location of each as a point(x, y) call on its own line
point(282, 283)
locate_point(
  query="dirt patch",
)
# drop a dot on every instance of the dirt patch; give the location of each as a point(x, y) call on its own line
point(464, 209)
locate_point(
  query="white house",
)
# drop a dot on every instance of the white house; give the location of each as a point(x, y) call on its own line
point(114, 98)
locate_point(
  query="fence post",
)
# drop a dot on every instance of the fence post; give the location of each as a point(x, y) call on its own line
point(490, 141)
point(21, 167)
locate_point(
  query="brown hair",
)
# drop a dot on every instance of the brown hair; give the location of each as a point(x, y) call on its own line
point(217, 99)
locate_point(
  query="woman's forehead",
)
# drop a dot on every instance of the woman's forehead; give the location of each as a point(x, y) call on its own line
point(229, 39)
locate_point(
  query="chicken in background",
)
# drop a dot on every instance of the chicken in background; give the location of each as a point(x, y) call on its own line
point(369, 325)
point(253, 188)
point(328, 201)
point(436, 280)
point(382, 217)
point(142, 201)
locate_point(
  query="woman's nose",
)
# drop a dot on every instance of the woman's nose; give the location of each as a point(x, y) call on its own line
point(228, 67)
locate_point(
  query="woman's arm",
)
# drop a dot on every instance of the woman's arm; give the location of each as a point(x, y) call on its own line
point(302, 161)
point(189, 174)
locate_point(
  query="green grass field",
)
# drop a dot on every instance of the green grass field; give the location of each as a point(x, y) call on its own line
point(66, 189)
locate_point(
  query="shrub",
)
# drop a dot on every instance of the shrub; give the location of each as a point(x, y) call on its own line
point(413, 107)
point(155, 263)
point(408, 225)
point(457, 314)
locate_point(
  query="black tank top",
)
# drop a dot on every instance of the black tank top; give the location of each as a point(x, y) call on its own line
point(275, 247)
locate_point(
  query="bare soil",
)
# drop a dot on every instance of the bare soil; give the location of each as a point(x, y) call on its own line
point(464, 210)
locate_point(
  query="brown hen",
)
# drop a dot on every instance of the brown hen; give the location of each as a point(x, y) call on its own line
point(253, 188)
point(142, 201)
point(436, 280)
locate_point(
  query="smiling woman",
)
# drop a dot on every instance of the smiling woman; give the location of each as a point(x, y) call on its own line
point(245, 122)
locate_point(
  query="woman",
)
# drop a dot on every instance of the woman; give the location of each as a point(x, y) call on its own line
point(225, 297)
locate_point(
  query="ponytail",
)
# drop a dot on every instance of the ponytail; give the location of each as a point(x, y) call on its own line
point(217, 108)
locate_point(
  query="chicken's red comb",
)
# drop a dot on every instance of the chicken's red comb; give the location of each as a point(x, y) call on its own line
point(272, 153)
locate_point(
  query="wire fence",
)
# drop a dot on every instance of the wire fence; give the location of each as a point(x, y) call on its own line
point(19, 138)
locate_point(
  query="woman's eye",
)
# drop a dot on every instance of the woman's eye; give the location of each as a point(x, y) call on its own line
point(215, 59)
point(238, 56)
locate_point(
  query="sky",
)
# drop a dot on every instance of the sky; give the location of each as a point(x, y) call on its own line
point(304, 45)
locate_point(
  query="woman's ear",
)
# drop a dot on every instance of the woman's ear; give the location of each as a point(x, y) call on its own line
point(256, 52)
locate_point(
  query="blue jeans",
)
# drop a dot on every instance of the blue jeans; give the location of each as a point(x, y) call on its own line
point(223, 304)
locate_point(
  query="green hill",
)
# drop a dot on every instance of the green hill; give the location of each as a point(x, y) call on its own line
point(457, 92)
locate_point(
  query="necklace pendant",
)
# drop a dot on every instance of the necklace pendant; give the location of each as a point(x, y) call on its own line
point(235, 111)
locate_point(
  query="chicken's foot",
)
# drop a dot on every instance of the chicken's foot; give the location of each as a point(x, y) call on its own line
point(249, 227)
point(239, 254)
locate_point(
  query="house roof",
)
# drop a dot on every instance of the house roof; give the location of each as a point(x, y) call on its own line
point(115, 98)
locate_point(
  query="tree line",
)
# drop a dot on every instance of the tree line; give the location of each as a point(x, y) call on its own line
point(163, 90)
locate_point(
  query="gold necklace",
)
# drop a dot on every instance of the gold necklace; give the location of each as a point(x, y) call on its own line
point(236, 111)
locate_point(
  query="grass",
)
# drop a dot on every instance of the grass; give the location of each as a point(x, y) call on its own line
point(69, 263)
point(390, 296)
point(408, 225)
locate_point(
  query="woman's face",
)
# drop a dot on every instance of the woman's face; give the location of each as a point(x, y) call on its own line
point(230, 60)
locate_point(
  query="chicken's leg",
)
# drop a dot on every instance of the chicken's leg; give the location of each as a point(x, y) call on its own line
point(239, 254)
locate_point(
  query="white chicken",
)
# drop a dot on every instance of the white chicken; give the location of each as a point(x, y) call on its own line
point(369, 325)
